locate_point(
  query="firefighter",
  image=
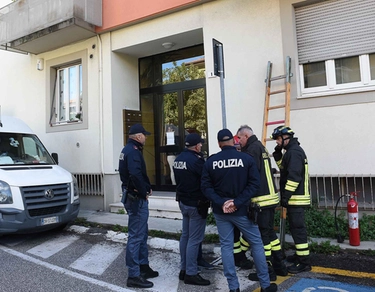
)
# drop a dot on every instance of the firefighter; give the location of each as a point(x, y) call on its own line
point(267, 199)
point(294, 193)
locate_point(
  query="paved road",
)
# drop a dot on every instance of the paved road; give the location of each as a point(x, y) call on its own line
point(83, 259)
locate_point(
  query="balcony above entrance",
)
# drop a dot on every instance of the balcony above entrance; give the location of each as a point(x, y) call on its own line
point(37, 26)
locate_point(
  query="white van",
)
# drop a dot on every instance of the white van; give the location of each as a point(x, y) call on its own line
point(35, 193)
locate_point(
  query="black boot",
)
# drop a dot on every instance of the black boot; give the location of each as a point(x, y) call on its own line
point(139, 282)
point(147, 272)
point(278, 263)
point(181, 275)
point(299, 268)
point(241, 261)
point(196, 280)
point(270, 288)
point(271, 272)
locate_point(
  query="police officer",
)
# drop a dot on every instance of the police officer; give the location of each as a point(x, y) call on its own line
point(193, 205)
point(267, 199)
point(229, 180)
point(294, 190)
point(136, 190)
point(241, 246)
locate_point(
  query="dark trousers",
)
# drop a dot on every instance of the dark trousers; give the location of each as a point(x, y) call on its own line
point(297, 226)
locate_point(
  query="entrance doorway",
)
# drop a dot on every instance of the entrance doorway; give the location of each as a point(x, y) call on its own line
point(172, 110)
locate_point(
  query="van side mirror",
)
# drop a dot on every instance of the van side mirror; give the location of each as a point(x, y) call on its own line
point(55, 157)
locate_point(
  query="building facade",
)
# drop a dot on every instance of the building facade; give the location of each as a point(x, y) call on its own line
point(91, 69)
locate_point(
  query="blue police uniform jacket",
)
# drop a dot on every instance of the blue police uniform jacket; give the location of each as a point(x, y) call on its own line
point(230, 174)
point(132, 168)
point(187, 169)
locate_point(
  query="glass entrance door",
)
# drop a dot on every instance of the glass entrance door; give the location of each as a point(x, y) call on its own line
point(181, 112)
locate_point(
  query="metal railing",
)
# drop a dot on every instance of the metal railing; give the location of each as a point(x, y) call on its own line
point(325, 190)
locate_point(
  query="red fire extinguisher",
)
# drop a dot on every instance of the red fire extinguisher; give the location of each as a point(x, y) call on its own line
point(353, 221)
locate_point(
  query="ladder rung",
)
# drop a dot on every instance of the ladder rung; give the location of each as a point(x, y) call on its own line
point(275, 122)
point(278, 77)
point(278, 91)
point(276, 106)
point(269, 139)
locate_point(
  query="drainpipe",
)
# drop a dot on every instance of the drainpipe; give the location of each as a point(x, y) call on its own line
point(101, 105)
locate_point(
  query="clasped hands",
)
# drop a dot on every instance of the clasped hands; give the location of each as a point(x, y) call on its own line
point(229, 207)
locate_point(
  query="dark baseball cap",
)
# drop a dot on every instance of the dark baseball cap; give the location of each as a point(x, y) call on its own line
point(193, 139)
point(138, 128)
point(224, 135)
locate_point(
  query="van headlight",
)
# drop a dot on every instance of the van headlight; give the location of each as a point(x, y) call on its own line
point(5, 193)
point(75, 189)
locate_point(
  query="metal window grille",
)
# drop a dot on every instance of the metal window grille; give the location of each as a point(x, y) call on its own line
point(325, 190)
point(90, 184)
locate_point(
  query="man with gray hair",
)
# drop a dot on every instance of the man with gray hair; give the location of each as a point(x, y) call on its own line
point(266, 201)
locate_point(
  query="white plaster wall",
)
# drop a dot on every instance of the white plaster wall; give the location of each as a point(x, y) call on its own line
point(337, 140)
point(251, 36)
point(23, 94)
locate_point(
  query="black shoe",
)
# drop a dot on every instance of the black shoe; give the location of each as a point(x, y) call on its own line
point(139, 282)
point(235, 290)
point(147, 272)
point(298, 268)
point(245, 264)
point(271, 272)
point(196, 280)
point(270, 288)
point(204, 264)
point(281, 271)
point(181, 275)
point(292, 258)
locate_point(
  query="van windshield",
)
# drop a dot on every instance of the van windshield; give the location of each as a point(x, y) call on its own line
point(18, 148)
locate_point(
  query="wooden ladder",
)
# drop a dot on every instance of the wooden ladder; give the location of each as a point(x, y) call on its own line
point(269, 93)
point(285, 121)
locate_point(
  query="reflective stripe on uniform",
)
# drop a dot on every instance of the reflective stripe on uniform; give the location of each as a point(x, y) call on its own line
point(275, 245)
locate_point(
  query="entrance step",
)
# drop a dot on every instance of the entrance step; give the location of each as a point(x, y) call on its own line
point(161, 204)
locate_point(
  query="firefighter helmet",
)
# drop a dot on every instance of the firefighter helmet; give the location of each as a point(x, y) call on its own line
point(282, 130)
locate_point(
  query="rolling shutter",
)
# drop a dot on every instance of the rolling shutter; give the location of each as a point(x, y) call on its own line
point(335, 29)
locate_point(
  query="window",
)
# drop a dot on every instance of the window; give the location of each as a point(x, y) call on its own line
point(336, 47)
point(67, 93)
point(372, 66)
point(349, 74)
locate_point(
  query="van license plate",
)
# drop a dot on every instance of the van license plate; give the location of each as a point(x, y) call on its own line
point(49, 220)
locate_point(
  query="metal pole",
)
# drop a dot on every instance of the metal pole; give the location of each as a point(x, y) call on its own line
point(222, 91)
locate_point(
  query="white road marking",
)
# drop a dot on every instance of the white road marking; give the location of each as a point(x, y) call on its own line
point(51, 247)
point(97, 259)
point(64, 271)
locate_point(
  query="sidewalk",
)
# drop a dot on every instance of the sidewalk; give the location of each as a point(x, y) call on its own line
point(174, 226)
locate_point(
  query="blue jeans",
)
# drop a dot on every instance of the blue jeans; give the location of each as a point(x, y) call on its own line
point(136, 247)
point(193, 227)
point(225, 226)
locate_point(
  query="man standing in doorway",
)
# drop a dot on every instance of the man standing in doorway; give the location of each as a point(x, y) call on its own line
point(194, 207)
point(266, 199)
point(229, 180)
point(294, 191)
point(136, 189)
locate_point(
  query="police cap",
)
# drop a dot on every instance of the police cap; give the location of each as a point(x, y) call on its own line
point(138, 128)
point(224, 135)
point(193, 139)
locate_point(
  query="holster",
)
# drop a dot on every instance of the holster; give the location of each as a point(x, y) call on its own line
point(253, 212)
point(128, 195)
point(202, 207)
